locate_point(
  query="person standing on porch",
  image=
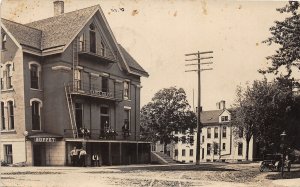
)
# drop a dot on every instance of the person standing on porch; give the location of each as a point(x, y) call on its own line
point(82, 155)
point(74, 156)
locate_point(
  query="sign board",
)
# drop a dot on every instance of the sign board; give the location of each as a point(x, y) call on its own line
point(101, 93)
point(44, 139)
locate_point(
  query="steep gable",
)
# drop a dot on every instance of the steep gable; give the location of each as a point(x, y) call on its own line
point(59, 30)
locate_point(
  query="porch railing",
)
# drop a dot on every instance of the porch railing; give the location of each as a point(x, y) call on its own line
point(94, 90)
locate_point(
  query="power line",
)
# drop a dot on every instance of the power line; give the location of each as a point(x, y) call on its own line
point(199, 109)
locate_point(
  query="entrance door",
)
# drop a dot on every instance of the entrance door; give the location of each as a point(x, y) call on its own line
point(202, 153)
point(39, 155)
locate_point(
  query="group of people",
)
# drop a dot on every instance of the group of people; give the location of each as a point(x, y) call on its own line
point(78, 158)
point(84, 132)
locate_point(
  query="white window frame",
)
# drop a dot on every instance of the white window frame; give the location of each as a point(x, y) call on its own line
point(127, 91)
point(9, 115)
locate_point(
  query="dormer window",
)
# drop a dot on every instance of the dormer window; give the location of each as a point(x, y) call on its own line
point(224, 118)
point(92, 39)
point(3, 41)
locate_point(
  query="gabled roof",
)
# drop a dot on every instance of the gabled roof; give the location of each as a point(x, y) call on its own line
point(132, 63)
point(59, 30)
point(211, 116)
point(23, 34)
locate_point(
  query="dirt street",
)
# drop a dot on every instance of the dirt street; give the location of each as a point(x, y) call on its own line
point(215, 174)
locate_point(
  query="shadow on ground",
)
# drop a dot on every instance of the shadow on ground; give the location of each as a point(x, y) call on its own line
point(203, 167)
point(286, 175)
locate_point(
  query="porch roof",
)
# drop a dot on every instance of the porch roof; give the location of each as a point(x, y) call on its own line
point(103, 141)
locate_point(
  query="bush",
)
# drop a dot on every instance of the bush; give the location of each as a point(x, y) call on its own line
point(3, 163)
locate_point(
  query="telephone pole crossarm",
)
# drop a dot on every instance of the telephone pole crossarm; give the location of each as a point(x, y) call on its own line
point(200, 53)
point(199, 109)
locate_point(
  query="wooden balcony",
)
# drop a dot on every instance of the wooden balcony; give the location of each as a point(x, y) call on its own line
point(91, 90)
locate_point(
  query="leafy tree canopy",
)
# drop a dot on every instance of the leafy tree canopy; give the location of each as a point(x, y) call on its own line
point(168, 111)
point(265, 110)
point(286, 34)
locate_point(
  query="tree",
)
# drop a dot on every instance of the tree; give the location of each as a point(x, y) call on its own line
point(286, 34)
point(262, 110)
point(168, 111)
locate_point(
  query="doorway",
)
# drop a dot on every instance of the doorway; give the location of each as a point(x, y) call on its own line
point(39, 155)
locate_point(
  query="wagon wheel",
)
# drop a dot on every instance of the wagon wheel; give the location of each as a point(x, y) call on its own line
point(262, 168)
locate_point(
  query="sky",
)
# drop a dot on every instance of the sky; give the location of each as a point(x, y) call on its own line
point(159, 33)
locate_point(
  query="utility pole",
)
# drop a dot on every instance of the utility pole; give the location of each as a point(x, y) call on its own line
point(199, 109)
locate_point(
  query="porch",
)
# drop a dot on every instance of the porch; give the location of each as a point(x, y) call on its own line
point(112, 152)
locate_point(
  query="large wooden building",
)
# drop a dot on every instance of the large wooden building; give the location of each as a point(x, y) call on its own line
point(62, 75)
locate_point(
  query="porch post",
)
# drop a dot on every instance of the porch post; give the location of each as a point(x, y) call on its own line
point(137, 153)
point(120, 153)
point(109, 154)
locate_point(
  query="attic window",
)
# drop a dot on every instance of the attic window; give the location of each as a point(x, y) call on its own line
point(81, 43)
point(3, 41)
point(92, 39)
point(224, 118)
point(102, 49)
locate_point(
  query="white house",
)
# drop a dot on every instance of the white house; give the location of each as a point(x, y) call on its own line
point(220, 141)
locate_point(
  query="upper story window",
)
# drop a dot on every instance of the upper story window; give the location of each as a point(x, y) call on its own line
point(208, 132)
point(8, 76)
point(126, 90)
point(224, 118)
point(224, 132)
point(34, 76)
point(216, 132)
point(104, 84)
point(36, 115)
point(82, 42)
point(102, 49)
point(3, 41)
point(11, 121)
point(92, 39)
point(2, 116)
point(78, 75)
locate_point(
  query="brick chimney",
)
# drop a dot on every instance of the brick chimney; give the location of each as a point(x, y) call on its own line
point(221, 105)
point(58, 7)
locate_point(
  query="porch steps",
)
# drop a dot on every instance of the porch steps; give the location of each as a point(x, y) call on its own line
point(162, 158)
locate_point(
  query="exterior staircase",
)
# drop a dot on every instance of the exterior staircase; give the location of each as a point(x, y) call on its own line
point(162, 158)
